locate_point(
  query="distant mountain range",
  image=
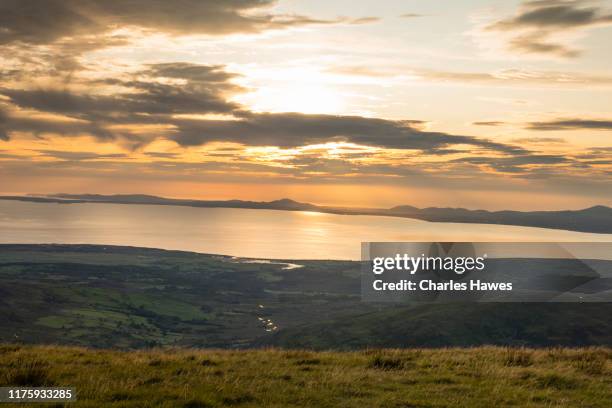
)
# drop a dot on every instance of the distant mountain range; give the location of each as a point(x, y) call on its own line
point(597, 219)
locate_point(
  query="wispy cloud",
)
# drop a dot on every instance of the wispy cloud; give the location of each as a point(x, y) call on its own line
point(571, 124)
point(508, 76)
point(412, 15)
point(489, 123)
point(542, 26)
point(546, 141)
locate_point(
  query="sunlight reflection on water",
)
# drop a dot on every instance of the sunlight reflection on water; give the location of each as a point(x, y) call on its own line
point(241, 232)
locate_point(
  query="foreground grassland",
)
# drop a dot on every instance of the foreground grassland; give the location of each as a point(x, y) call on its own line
point(454, 377)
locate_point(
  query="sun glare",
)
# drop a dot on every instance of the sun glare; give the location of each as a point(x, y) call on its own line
point(296, 97)
point(310, 213)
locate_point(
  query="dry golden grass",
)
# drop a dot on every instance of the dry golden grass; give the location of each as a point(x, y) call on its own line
point(454, 377)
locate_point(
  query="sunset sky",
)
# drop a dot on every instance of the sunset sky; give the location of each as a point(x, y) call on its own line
point(480, 104)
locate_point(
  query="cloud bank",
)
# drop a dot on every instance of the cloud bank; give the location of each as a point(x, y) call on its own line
point(40, 22)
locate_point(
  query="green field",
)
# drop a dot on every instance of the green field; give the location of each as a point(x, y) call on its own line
point(122, 297)
point(455, 377)
point(131, 297)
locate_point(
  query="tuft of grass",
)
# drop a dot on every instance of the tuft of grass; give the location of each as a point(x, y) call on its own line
point(557, 381)
point(152, 380)
point(9, 348)
point(386, 363)
point(518, 358)
point(592, 363)
point(208, 363)
point(26, 373)
point(238, 400)
point(196, 404)
point(156, 362)
point(120, 396)
point(308, 361)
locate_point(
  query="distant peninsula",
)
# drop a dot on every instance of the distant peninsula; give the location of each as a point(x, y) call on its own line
point(597, 219)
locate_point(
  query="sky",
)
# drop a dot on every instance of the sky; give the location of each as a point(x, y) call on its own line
point(478, 104)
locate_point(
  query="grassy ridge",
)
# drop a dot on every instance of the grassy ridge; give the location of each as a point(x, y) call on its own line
point(476, 377)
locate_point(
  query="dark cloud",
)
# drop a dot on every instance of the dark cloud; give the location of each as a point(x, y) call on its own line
point(294, 129)
point(599, 162)
point(411, 15)
point(3, 123)
point(517, 160)
point(79, 156)
point(443, 152)
point(9, 156)
point(211, 74)
point(45, 126)
point(516, 164)
point(364, 20)
point(205, 91)
point(42, 21)
point(162, 155)
point(45, 21)
point(554, 13)
point(489, 123)
point(571, 124)
point(58, 62)
point(62, 101)
point(154, 101)
point(538, 21)
point(596, 155)
point(598, 152)
point(538, 43)
point(539, 140)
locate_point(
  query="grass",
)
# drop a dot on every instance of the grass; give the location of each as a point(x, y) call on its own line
point(449, 377)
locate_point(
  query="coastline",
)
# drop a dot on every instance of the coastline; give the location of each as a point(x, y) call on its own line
point(596, 219)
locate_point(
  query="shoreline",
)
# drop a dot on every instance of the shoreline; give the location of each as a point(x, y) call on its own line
point(596, 219)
